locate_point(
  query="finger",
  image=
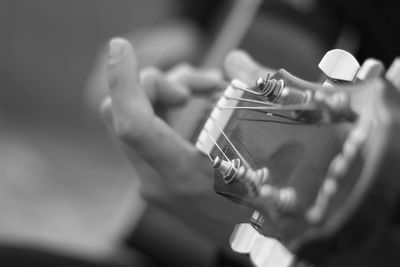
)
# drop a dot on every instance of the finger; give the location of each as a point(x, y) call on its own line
point(199, 81)
point(239, 65)
point(162, 91)
point(124, 87)
point(143, 132)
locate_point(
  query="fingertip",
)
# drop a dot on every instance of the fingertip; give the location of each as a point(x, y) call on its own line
point(118, 48)
point(196, 80)
point(179, 93)
point(178, 72)
point(171, 93)
point(234, 54)
point(240, 65)
point(238, 59)
point(123, 76)
point(122, 61)
point(212, 73)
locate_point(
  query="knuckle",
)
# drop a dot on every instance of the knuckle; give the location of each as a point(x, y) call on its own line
point(105, 104)
point(114, 82)
point(124, 130)
point(131, 132)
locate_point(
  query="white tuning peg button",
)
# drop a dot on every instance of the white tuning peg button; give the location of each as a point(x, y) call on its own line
point(269, 252)
point(370, 69)
point(393, 74)
point(243, 238)
point(339, 65)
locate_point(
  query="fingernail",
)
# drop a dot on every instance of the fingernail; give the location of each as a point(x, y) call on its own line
point(116, 50)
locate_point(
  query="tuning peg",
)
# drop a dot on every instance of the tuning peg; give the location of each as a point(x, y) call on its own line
point(370, 69)
point(228, 169)
point(393, 74)
point(339, 65)
point(278, 200)
point(269, 252)
point(243, 238)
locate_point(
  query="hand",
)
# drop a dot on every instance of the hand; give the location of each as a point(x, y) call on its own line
point(173, 173)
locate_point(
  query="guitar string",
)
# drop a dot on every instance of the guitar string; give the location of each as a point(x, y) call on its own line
point(273, 106)
point(245, 90)
point(340, 89)
point(208, 154)
point(267, 106)
point(270, 114)
point(229, 141)
point(245, 148)
point(216, 144)
point(266, 103)
point(271, 121)
point(278, 108)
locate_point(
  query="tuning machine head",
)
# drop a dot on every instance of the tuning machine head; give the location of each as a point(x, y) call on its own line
point(268, 252)
point(339, 65)
point(393, 74)
point(243, 238)
point(263, 251)
point(370, 69)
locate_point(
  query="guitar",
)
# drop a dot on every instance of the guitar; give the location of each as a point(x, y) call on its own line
point(319, 162)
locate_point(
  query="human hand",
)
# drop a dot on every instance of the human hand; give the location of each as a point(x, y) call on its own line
point(173, 173)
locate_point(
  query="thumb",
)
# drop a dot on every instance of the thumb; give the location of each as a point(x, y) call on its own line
point(142, 131)
point(130, 103)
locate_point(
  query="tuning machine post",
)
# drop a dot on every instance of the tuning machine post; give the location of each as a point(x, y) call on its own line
point(233, 170)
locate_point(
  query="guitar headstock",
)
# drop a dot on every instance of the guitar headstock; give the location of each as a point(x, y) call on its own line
point(316, 160)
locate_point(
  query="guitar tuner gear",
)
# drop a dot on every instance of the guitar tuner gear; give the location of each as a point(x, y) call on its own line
point(228, 169)
point(270, 88)
point(337, 105)
point(280, 200)
point(234, 171)
point(277, 92)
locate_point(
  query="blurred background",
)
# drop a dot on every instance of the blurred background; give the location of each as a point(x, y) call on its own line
point(64, 185)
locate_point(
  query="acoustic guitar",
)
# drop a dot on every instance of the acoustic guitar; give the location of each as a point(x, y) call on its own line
point(318, 162)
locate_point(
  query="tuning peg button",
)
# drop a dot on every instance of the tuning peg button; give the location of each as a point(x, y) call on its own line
point(370, 69)
point(339, 65)
point(393, 74)
point(243, 238)
point(269, 252)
